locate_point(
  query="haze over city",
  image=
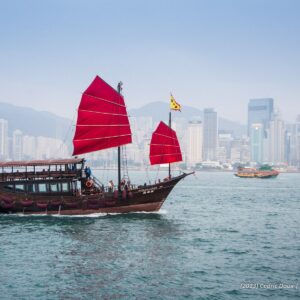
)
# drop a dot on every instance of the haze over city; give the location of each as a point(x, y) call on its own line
point(214, 54)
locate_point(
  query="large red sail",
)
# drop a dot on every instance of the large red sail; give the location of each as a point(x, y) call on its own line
point(164, 146)
point(102, 120)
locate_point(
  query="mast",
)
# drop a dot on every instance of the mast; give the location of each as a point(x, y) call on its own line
point(170, 122)
point(119, 151)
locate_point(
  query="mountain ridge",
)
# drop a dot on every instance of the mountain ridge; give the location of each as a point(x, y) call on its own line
point(33, 122)
point(160, 111)
point(43, 123)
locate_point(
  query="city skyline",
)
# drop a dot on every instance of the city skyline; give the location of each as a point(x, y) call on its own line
point(270, 140)
point(207, 53)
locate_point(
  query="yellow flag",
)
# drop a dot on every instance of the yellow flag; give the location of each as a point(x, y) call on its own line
point(174, 105)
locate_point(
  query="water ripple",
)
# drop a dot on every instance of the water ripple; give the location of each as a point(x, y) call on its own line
point(214, 233)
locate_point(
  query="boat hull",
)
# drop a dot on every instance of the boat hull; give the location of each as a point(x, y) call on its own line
point(261, 175)
point(147, 198)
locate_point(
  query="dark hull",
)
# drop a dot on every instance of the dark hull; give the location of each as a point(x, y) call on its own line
point(147, 198)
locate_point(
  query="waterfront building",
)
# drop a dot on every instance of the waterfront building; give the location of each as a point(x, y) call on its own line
point(225, 139)
point(245, 149)
point(17, 145)
point(221, 154)
point(194, 142)
point(260, 111)
point(50, 148)
point(29, 147)
point(210, 134)
point(276, 140)
point(256, 142)
point(294, 143)
point(3, 139)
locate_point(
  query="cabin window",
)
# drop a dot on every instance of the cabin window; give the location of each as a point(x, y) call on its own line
point(65, 187)
point(42, 188)
point(9, 187)
point(53, 187)
point(31, 188)
point(19, 187)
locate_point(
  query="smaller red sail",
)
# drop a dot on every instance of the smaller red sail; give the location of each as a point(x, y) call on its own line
point(102, 121)
point(164, 146)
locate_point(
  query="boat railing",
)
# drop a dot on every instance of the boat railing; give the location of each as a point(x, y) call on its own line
point(31, 175)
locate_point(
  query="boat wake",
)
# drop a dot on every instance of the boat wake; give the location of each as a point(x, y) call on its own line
point(94, 215)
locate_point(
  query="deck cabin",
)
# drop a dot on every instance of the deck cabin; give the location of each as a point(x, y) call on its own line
point(47, 177)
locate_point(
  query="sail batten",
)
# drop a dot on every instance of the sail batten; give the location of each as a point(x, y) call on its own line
point(102, 99)
point(101, 112)
point(101, 138)
point(103, 125)
point(102, 120)
point(164, 146)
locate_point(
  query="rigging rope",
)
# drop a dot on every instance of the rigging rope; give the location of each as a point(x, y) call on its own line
point(124, 163)
point(59, 149)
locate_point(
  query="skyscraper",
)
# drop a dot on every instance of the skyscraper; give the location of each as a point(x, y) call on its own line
point(194, 143)
point(17, 145)
point(210, 134)
point(29, 147)
point(256, 142)
point(260, 111)
point(3, 139)
point(295, 143)
point(276, 140)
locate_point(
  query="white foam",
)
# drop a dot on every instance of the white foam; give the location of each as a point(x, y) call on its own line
point(93, 215)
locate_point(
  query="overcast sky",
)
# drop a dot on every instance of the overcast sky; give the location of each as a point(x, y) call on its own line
point(208, 53)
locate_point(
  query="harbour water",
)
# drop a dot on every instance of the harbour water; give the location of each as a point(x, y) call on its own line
point(217, 237)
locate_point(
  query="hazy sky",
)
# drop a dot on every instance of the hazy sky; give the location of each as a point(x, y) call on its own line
point(208, 53)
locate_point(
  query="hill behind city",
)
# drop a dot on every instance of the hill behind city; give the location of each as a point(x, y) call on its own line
point(43, 123)
point(33, 122)
point(160, 111)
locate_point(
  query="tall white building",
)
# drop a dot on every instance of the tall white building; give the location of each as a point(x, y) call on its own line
point(17, 145)
point(276, 139)
point(210, 134)
point(194, 144)
point(257, 142)
point(29, 147)
point(294, 156)
point(50, 148)
point(3, 139)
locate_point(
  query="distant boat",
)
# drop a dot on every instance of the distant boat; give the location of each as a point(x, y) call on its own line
point(67, 186)
point(263, 172)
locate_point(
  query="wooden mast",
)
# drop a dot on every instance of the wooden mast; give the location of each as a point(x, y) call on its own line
point(170, 122)
point(119, 152)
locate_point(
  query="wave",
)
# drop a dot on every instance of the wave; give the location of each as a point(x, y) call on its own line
point(93, 215)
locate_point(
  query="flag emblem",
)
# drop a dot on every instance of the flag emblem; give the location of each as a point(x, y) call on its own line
point(174, 105)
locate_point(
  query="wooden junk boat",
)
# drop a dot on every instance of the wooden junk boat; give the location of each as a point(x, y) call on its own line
point(66, 186)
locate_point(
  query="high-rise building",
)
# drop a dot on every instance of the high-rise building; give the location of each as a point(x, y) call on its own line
point(256, 142)
point(194, 143)
point(29, 147)
point(50, 148)
point(17, 145)
point(276, 140)
point(225, 138)
point(3, 139)
point(260, 111)
point(294, 155)
point(210, 134)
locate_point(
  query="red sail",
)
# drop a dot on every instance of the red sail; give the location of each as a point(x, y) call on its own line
point(102, 120)
point(164, 146)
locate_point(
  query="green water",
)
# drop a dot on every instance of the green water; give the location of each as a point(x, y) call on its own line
point(215, 234)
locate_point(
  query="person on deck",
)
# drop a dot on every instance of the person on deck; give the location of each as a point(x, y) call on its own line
point(110, 186)
point(87, 172)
